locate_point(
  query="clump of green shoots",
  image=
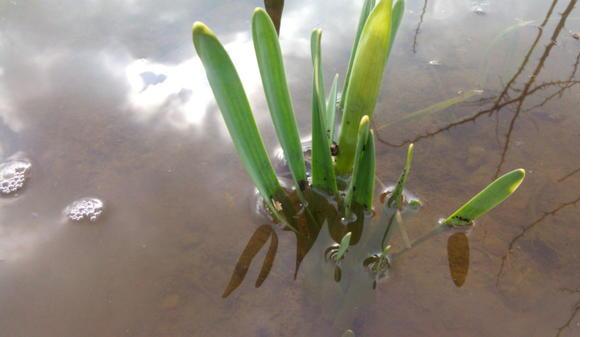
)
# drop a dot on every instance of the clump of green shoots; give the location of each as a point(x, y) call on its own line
point(348, 174)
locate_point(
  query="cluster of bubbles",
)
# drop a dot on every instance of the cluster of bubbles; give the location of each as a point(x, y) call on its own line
point(15, 171)
point(13, 174)
point(85, 209)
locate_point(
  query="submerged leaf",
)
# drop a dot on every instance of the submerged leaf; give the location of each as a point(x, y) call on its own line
point(437, 107)
point(365, 80)
point(487, 199)
point(235, 109)
point(323, 175)
point(272, 71)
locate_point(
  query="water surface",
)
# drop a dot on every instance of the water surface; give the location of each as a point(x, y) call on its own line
point(108, 100)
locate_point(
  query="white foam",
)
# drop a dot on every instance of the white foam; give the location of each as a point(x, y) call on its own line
point(85, 209)
point(13, 174)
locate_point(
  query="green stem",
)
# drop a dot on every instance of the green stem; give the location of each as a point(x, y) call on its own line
point(397, 194)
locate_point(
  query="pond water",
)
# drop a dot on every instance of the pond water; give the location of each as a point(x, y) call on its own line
point(105, 105)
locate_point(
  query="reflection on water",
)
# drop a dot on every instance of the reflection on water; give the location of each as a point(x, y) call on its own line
point(275, 10)
point(256, 242)
point(108, 99)
point(458, 257)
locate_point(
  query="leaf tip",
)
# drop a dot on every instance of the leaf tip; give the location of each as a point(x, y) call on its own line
point(364, 121)
point(520, 175)
point(521, 172)
point(199, 28)
point(258, 11)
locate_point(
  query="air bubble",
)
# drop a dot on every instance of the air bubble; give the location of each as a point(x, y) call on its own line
point(85, 209)
point(480, 7)
point(479, 10)
point(13, 174)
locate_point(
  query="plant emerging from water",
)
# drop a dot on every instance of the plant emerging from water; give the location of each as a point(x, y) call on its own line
point(342, 161)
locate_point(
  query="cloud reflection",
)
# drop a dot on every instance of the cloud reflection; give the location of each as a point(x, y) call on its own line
point(181, 91)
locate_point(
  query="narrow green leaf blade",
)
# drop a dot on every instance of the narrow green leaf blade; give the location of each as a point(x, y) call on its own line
point(397, 13)
point(315, 52)
point(397, 196)
point(344, 245)
point(364, 14)
point(363, 136)
point(487, 199)
point(323, 175)
point(272, 71)
point(365, 182)
point(365, 81)
point(331, 110)
point(235, 109)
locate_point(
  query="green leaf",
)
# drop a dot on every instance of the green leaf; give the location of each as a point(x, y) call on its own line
point(315, 52)
point(364, 14)
point(344, 245)
point(365, 181)
point(331, 110)
point(235, 109)
point(361, 147)
point(323, 175)
point(487, 199)
point(272, 71)
point(397, 196)
point(397, 12)
point(365, 81)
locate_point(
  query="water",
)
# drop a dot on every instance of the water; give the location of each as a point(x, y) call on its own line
point(109, 99)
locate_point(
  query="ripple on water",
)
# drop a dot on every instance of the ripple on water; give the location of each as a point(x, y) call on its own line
point(85, 209)
point(13, 174)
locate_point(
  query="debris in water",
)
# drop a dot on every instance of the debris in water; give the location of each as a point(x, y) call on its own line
point(575, 35)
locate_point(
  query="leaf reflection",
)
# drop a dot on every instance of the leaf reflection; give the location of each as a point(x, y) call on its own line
point(458, 257)
point(275, 10)
point(255, 244)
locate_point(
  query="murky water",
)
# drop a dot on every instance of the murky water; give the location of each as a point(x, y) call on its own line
point(108, 99)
